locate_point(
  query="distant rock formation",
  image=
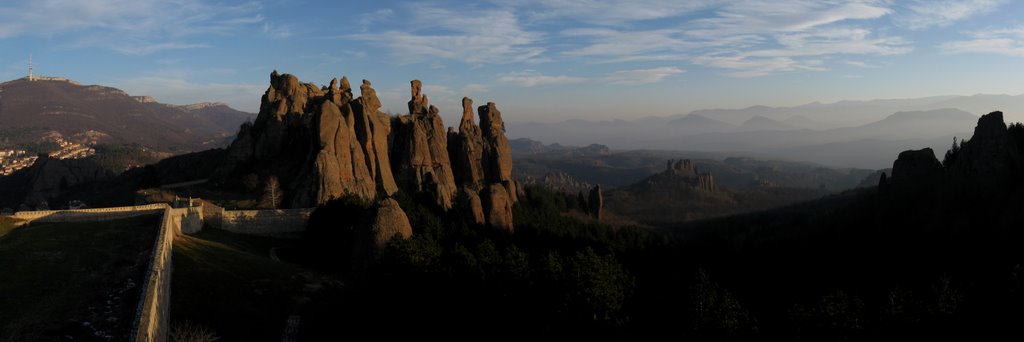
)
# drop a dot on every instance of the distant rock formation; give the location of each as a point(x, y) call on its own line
point(686, 169)
point(595, 204)
point(559, 181)
point(323, 143)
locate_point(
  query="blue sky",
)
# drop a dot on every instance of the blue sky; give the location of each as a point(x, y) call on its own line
point(539, 60)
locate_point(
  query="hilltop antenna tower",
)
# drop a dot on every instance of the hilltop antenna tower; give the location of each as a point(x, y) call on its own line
point(30, 67)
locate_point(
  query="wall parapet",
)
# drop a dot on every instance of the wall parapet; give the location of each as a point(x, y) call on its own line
point(95, 214)
point(152, 315)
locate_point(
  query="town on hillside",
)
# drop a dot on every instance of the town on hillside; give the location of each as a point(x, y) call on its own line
point(14, 159)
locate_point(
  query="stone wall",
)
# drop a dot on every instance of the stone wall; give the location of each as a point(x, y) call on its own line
point(152, 317)
point(276, 223)
point(87, 215)
point(188, 220)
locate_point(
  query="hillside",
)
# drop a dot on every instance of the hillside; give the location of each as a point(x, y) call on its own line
point(111, 116)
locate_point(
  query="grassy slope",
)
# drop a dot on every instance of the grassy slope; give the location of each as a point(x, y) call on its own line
point(58, 277)
point(228, 283)
point(7, 225)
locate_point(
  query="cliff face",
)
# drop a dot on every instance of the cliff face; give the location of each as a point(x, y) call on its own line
point(323, 143)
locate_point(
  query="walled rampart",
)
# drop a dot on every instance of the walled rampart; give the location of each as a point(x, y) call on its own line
point(86, 215)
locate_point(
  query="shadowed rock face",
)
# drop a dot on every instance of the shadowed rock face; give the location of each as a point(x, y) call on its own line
point(420, 150)
point(991, 159)
point(323, 143)
point(482, 159)
point(916, 167)
point(596, 202)
point(989, 155)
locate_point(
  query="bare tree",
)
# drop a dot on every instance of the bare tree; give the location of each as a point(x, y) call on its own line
point(271, 193)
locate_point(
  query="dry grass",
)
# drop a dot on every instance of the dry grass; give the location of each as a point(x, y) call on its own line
point(190, 332)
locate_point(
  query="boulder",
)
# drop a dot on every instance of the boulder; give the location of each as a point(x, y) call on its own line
point(389, 221)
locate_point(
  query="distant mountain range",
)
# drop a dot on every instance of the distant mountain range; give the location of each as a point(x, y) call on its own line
point(112, 116)
point(862, 134)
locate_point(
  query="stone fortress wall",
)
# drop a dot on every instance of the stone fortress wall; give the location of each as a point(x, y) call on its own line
point(274, 223)
point(152, 317)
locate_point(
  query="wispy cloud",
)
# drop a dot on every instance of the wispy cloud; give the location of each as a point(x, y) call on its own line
point(127, 26)
point(277, 31)
point(1006, 41)
point(145, 48)
point(368, 19)
point(492, 36)
point(759, 17)
point(641, 76)
point(922, 14)
point(606, 12)
point(532, 78)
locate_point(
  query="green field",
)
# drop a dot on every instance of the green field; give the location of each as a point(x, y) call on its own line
point(228, 284)
point(77, 280)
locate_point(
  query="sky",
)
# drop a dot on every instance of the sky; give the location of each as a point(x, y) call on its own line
point(539, 60)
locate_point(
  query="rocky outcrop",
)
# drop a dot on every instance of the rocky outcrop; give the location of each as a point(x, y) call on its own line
point(482, 162)
point(685, 170)
point(420, 150)
point(914, 167)
point(389, 221)
point(595, 205)
point(990, 155)
point(322, 143)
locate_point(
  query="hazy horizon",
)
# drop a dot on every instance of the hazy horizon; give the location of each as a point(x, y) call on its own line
point(539, 60)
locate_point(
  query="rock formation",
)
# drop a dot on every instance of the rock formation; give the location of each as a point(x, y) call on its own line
point(389, 221)
point(323, 143)
point(687, 170)
point(482, 159)
point(916, 167)
point(595, 205)
point(990, 154)
point(420, 150)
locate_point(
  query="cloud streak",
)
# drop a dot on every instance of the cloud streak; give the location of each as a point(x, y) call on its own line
point(1009, 42)
point(128, 26)
point(475, 37)
point(923, 14)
